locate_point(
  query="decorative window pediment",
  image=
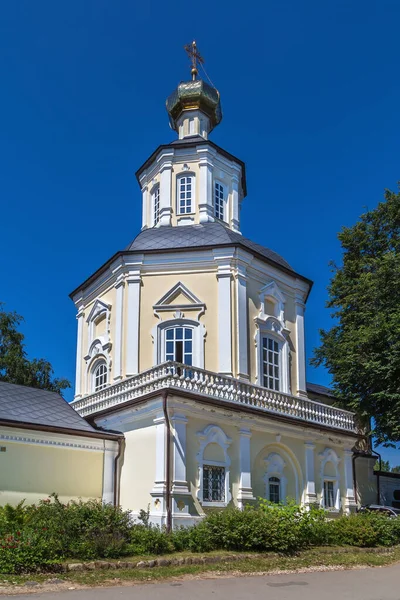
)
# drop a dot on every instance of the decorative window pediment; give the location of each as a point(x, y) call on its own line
point(179, 299)
point(99, 342)
point(99, 308)
point(272, 302)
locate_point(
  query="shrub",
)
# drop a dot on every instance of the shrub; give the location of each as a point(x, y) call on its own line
point(27, 552)
point(364, 530)
point(150, 540)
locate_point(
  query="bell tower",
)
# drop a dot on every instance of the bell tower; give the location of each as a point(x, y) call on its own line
point(192, 181)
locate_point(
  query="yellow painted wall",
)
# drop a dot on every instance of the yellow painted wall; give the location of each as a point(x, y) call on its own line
point(32, 472)
point(138, 467)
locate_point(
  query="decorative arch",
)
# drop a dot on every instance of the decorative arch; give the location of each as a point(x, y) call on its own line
point(329, 456)
point(92, 366)
point(277, 459)
point(213, 434)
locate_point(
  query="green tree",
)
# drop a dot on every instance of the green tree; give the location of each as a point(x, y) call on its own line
point(15, 367)
point(395, 469)
point(385, 466)
point(362, 350)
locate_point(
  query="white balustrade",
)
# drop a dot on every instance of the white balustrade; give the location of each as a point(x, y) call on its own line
point(226, 389)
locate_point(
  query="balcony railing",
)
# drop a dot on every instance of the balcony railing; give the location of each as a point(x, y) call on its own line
point(211, 385)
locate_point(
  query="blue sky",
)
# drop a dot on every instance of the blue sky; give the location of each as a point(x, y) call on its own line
point(310, 93)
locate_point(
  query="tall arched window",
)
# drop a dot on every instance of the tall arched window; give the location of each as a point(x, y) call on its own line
point(271, 363)
point(274, 484)
point(185, 194)
point(156, 204)
point(99, 376)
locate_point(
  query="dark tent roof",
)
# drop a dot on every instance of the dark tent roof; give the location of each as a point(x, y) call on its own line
point(320, 390)
point(22, 404)
point(198, 236)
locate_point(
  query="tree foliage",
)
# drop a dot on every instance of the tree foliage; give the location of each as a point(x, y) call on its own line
point(15, 367)
point(362, 350)
point(385, 466)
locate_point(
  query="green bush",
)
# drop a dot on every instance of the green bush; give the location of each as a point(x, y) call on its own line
point(40, 537)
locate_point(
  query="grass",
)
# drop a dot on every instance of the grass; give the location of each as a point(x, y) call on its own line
point(346, 558)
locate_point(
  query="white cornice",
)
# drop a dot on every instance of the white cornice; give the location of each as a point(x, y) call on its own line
point(38, 438)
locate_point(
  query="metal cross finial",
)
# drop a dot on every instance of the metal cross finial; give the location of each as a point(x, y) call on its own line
point(195, 57)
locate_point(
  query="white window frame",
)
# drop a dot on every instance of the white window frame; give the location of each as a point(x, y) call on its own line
point(155, 204)
point(213, 434)
point(96, 365)
point(178, 193)
point(272, 328)
point(275, 466)
point(174, 341)
point(159, 336)
point(224, 200)
point(266, 363)
point(330, 456)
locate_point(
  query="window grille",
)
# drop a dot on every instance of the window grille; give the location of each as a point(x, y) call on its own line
point(185, 194)
point(274, 489)
point(270, 363)
point(213, 484)
point(100, 377)
point(219, 201)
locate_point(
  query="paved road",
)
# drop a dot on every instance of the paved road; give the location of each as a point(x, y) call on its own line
point(364, 584)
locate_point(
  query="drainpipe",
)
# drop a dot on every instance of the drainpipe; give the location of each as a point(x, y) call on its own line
point(116, 482)
point(378, 483)
point(167, 463)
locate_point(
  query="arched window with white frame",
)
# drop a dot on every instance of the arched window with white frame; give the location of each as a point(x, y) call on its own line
point(274, 491)
point(179, 345)
point(329, 475)
point(219, 200)
point(99, 376)
point(155, 196)
point(214, 467)
point(179, 340)
point(185, 198)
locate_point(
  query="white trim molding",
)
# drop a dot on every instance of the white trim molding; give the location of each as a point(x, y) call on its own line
point(350, 503)
point(272, 292)
point(310, 491)
point(300, 347)
point(133, 283)
point(199, 333)
point(78, 374)
point(119, 327)
point(213, 434)
point(330, 456)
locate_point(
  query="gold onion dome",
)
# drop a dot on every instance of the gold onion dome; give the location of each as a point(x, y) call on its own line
point(194, 95)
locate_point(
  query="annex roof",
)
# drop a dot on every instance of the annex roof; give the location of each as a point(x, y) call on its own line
point(23, 404)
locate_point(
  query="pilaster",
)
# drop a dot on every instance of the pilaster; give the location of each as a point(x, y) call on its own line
point(133, 282)
point(311, 495)
point(235, 220)
point(245, 492)
point(206, 206)
point(145, 206)
point(158, 509)
point(350, 503)
point(300, 347)
point(79, 352)
point(180, 490)
point(110, 453)
point(119, 311)
point(242, 321)
point(166, 192)
point(224, 319)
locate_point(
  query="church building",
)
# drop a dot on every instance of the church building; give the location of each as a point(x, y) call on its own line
point(190, 342)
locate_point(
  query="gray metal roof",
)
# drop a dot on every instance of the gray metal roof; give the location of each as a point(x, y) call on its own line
point(321, 390)
point(196, 236)
point(24, 404)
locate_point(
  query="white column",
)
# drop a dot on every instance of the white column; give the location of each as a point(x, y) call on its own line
point(242, 333)
point(245, 489)
point(145, 207)
point(350, 503)
point(110, 453)
point(179, 482)
point(166, 193)
point(224, 321)
point(235, 221)
point(311, 496)
point(206, 201)
point(119, 311)
point(132, 329)
point(158, 505)
point(79, 352)
point(300, 347)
